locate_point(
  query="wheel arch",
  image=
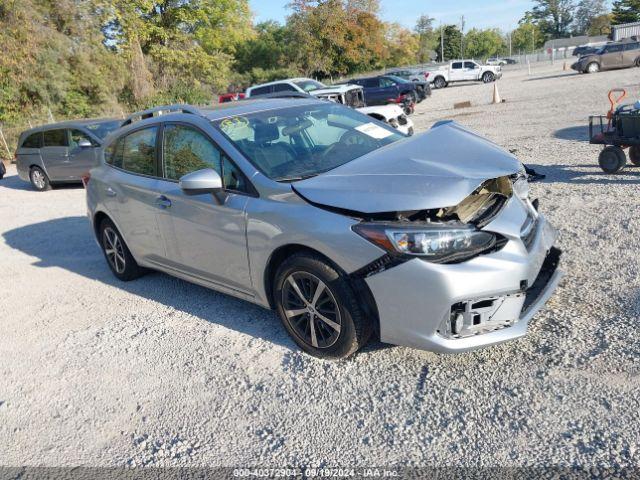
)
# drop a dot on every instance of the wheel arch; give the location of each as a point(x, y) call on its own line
point(359, 286)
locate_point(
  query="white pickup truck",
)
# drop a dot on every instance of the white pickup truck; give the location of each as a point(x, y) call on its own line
point(464, 71)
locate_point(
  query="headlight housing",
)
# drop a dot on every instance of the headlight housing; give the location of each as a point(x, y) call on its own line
point(434, 243)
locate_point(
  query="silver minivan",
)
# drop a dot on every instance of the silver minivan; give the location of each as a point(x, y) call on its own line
point(61, 152)
point(341, 224)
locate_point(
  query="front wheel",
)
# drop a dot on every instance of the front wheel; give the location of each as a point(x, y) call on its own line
point(318, 308)
point(117, 254)
point(593, 67)
point(612, 159)
point(488, 77)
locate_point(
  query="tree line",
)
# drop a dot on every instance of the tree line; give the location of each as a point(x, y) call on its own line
point(81, 58)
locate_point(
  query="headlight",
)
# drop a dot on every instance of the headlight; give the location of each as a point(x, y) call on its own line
point(438, 244)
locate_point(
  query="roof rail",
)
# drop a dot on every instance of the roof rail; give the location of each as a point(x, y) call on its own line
point(158, 111)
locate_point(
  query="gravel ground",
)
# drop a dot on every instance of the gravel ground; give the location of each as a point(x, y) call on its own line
point(161, 372)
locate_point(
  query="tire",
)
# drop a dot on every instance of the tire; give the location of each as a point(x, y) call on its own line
point(488, 77)
point(612, 159)
point(120, 261)
point(593, 67)
point(637, 62)
point(321, 313)
point(39, 179)
point(634, 155)
point(440, 82)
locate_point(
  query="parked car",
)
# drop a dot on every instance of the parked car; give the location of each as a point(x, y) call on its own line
point(464, 71)
point(496, 61)
point(511, 61)
point(61, 152)
point(423, 89)
point(609, 57)
point(386, 89)
point(349, 95)
point(342, 225)
point(230, 97)
point(419, 77)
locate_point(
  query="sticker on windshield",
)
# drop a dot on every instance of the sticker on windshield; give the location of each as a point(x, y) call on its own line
point(374, 131)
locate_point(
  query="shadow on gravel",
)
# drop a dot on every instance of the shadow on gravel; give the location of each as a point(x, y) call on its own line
point(580, 134)
point(548, 77)
point(588, 175)
point(68, 243)
point(15, 183)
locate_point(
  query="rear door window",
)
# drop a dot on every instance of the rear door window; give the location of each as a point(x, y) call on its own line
point(55, 138)
point(456, 65)
point(33, 141)
point(139, 151)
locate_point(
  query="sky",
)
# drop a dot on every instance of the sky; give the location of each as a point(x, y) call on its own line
point(503, 14)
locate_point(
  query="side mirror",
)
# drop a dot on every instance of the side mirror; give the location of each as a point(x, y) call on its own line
point(84, 143)
point(201, 181)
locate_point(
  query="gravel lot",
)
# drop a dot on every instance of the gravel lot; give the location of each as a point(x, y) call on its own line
point(161, 372)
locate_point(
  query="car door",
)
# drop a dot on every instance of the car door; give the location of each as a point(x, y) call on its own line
point(131, 190)
point(457, 72)
point(204, 235)
point(81, 158)
point(390, 89)
point(611, 57)
point(630, 54)
point(55, 153)
point(472, 71)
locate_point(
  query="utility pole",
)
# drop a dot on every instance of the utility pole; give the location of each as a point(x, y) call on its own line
point(462, 37)
point(441, 43)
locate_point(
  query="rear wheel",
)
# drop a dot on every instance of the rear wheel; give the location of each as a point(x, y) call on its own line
point(637, 62)
point(634, 155)
point(118, 256)
point(593, 67)
point(488, 77)
point(318, 308)
point(440, 82)
point(39, 179)
point(612, 159)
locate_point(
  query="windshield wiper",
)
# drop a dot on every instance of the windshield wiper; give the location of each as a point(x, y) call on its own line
point(296, 178)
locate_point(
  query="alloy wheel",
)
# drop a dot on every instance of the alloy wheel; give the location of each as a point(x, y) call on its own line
point(114, 250)
point(38, 179)
point(311, 310)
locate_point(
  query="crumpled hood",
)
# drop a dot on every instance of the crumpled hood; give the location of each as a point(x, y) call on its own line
point(436, 169)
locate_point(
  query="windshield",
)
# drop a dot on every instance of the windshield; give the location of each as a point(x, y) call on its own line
point(300, 142)
point(102, 129)
point(309, 85)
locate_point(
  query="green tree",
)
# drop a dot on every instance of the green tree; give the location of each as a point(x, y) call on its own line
point(586, 12)
point(481, 44)
point(427, 37)
point(451, 38)
point(526, 38)
point(553, 17)
point(626, 11)
point(600, 25)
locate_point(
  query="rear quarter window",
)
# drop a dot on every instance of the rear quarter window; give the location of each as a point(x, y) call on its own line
point(33, 141)
point(260, 91)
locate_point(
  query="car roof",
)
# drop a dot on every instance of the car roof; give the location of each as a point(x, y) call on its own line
point(69, 124)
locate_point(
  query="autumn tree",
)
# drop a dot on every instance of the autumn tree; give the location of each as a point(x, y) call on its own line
point(427, 37)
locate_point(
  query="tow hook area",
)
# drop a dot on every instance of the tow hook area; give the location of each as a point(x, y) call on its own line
point(475, 317)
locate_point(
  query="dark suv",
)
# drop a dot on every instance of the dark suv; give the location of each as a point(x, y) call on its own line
point(610, 57)
point(386, 89)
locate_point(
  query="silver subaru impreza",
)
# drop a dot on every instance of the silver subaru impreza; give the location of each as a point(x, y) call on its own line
point(344, 226)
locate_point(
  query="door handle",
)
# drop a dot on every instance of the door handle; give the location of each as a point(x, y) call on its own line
point(163, 202)
point(110, 192)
